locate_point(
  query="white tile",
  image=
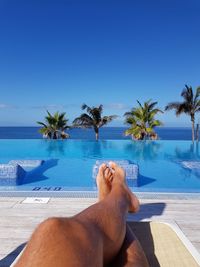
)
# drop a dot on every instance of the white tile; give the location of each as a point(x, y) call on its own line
point(35, 200)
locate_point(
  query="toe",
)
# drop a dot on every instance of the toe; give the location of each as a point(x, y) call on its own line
point(110, 178)
point(112, 165)
point(107, 172)
point(102, 168)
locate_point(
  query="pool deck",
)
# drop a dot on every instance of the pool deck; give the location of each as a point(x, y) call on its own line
point(17, 219)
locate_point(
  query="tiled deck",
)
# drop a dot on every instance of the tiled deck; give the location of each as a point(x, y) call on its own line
point(17, 220)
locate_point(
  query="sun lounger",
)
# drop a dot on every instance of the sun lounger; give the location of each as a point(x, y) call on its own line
point(164, 244)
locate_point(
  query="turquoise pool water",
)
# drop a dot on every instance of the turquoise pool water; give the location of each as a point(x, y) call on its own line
point(69, 163)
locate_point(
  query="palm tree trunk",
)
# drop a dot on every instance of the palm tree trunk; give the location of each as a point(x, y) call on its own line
point(192, 119)
point(197, 132)
point(55, 135)
point(96, 133)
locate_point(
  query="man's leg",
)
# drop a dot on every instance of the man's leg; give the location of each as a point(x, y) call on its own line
point(91, 238)
point(131, 253)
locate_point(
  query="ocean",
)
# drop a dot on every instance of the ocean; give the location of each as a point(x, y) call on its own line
point(109, 133)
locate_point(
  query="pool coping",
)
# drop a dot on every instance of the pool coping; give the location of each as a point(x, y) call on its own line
point(94, 194)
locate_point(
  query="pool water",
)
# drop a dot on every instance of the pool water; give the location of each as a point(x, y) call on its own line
point(69, 163)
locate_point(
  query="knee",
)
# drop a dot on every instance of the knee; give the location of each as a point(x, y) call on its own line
point(50, 224)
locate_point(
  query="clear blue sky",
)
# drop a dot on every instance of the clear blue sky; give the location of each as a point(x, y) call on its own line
point(58, 54)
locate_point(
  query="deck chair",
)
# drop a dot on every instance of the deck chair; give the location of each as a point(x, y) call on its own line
point(165, 245)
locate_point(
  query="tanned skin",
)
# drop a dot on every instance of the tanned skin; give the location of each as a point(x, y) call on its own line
point(96, 237)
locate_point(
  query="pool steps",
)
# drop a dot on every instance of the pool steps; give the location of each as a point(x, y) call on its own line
point(15, 171)
point(27, 163)
point(191, 164)
point(131, 169)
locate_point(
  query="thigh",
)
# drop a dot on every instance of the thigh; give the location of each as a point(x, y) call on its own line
point(62, 242)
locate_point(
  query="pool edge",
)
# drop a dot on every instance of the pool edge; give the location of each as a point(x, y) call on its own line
point(93, 194)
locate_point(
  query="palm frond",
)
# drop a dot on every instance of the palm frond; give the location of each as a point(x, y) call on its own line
point(100, 109)
point(41, 123)
point(187, 94)
point(172, 105)
point(88, 109)
point(142, 120)
point(54, 125)
point(107, 119)
point(152, 105)
point(156, 123)
point(84, 120)
point(183, 108)
point(92, 118)
point(130, 120)
point(139, 104)
point(198, 91)
point(197, 94)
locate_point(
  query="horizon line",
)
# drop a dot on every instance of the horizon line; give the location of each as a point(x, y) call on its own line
point(15, 126)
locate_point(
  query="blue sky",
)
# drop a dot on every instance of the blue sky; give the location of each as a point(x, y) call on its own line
point(59, 54)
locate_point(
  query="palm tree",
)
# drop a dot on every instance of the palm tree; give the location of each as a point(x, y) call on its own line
point(93, 119)
point(142, 121)
point(189, 106)
point(54, 126)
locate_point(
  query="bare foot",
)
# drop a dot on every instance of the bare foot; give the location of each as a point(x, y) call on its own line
point(119, 178)
point(103, 180)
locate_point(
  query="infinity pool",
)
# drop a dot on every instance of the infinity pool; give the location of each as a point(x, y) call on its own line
point(68, 164)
